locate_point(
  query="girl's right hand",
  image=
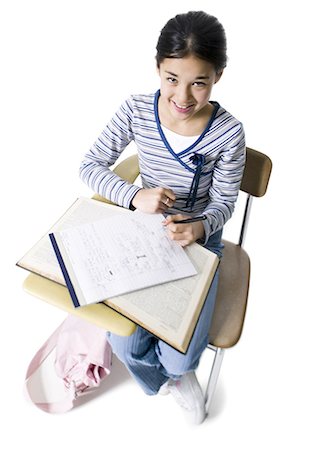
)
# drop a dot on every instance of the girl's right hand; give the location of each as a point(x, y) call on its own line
point(155, 200)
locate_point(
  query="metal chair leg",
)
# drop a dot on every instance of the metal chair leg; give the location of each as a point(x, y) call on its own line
point(214, 374)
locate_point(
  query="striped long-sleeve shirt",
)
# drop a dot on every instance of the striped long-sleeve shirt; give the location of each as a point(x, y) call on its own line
point(220, 149)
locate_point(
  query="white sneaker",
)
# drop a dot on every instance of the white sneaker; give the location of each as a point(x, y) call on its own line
point(188, 394)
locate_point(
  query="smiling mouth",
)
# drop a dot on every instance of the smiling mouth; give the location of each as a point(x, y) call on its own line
point(182, 109)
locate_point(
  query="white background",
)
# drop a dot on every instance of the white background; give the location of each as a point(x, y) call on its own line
point(65, 68)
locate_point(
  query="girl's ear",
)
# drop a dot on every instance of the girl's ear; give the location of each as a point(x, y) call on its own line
point(218, 76)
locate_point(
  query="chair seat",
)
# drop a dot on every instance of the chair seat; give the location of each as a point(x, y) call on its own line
point(58, 295)
point(231, 301)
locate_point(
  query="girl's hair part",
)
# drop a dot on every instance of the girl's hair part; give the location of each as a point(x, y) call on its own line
point(194, 33)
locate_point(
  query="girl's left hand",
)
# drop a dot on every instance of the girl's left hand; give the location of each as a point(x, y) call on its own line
point(184, 233)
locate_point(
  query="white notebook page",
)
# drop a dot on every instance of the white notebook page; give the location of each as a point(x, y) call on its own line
point(121, 254)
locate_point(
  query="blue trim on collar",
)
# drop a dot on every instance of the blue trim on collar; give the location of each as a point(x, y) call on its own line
point(165, 141)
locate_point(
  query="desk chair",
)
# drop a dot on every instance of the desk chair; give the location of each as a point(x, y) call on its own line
point(231, 302)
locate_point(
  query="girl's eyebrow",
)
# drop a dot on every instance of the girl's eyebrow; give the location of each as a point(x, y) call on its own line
point(201, 77)
point(170, 73)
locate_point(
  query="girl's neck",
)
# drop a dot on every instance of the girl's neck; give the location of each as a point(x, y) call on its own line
point(194, 126)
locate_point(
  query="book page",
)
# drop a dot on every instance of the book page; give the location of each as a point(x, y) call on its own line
point(41, 258)
point(173, 308)
point(120, 254)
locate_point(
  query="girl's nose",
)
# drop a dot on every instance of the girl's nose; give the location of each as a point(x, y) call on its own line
point(183, 95)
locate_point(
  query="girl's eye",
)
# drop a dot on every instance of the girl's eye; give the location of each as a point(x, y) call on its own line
point(199, 83)
point(172, 80)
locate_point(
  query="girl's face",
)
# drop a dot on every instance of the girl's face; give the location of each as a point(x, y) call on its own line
point(186, 85)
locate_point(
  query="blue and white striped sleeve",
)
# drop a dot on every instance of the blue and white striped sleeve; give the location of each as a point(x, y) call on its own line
point(226, 181)
point(95, 168)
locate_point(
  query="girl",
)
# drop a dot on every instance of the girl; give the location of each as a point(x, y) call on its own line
point(191, 156)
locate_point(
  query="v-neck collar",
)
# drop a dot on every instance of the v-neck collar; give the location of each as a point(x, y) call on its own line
point(188, 149)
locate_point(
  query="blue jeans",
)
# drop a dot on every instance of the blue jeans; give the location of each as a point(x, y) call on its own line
point(151, 361)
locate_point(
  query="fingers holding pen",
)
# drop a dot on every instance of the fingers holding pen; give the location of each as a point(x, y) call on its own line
point(178, 232)
point(170, 222)
point(184, 233)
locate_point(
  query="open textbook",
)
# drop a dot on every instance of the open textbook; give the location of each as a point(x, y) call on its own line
point(165, 285)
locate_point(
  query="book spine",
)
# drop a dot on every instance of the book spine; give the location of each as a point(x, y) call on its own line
point(64, 271)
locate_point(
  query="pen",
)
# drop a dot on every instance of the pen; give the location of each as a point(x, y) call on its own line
point(191, 219)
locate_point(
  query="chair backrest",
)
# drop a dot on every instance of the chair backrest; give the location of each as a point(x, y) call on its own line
point(257, 172)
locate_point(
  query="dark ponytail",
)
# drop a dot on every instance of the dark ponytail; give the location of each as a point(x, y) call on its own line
point(194, 33)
